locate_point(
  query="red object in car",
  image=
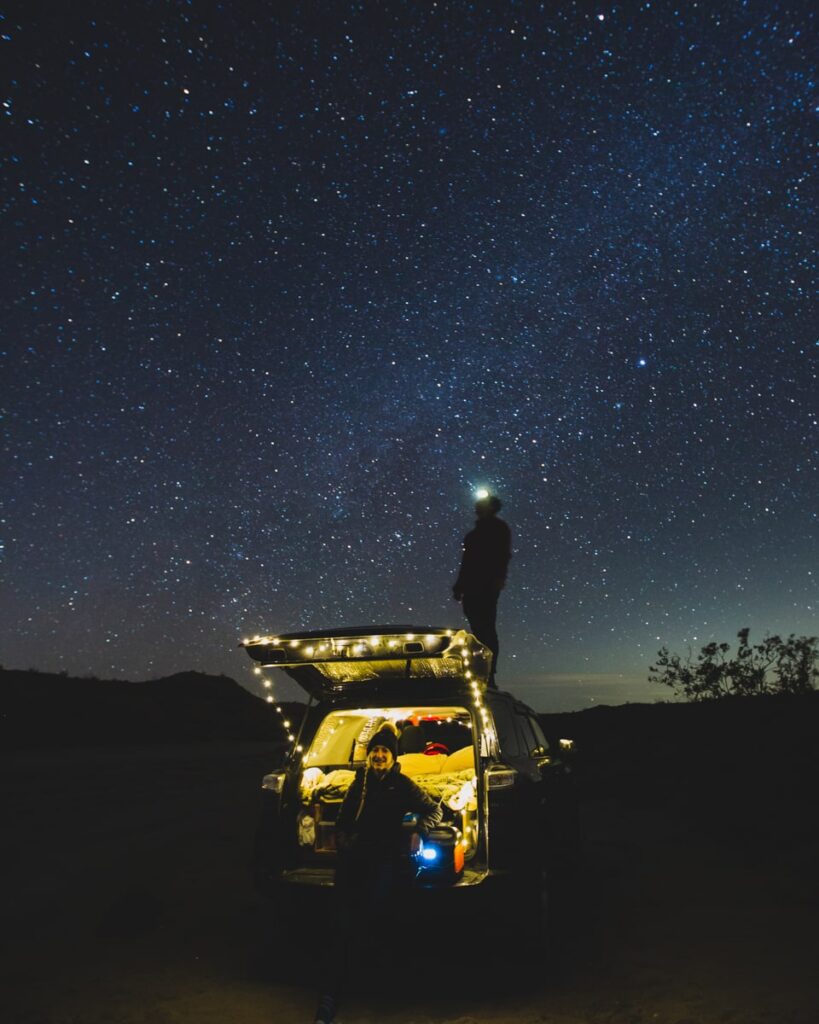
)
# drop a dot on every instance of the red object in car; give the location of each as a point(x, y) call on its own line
point(436, 748)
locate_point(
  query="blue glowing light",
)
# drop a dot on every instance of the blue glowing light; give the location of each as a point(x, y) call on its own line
point(429, 853)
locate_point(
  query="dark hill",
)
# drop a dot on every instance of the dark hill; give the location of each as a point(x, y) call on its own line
point(745, 765)
point(39, 709)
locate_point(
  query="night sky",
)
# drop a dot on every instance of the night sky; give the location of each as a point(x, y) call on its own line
point(283, 284)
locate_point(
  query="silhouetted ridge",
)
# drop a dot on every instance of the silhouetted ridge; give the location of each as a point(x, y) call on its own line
point(42, 709)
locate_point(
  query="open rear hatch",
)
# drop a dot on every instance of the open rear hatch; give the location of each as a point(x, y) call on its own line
point(328, 663)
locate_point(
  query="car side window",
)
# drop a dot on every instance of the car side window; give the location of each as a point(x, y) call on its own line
point(524, 734)
point(543, 743)
point(528, 738)
point(508, 740)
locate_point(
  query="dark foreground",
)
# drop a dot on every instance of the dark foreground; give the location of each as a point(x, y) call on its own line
point(128, 900)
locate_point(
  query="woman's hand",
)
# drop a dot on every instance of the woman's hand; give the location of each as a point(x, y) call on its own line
point(431, 818)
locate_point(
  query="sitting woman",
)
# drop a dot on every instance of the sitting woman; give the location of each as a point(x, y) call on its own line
point(370, 844)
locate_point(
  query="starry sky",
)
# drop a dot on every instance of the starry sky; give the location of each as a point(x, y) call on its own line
point(283, 284)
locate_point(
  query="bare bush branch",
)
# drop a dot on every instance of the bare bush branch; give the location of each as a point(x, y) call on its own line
point(772, 666)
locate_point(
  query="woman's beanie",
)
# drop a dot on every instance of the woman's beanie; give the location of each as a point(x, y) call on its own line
point(385, 737)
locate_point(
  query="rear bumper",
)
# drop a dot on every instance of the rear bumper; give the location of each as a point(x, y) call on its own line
point(324, 878)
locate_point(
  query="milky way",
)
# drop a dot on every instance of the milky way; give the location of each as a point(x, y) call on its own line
point(283, 284)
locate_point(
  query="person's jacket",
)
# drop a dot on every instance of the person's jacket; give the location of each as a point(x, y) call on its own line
point(376, 831)
point(487, 550)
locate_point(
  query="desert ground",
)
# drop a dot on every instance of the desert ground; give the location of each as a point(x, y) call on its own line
point(128, 900)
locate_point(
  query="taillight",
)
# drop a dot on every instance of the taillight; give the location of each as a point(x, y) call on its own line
point(274, 782)
point(500, 778)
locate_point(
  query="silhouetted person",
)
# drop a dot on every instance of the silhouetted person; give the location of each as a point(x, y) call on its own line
point(487, 550)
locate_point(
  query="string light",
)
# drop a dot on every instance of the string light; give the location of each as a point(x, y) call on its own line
point(296, 650)
point(270, 699)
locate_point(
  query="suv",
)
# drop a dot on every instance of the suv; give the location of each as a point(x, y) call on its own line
point(479, 752)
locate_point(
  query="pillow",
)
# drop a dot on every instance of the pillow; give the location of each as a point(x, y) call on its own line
point(421, 764)
point(463, 758)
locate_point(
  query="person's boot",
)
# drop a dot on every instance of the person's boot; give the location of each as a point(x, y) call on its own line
point(326, 1011)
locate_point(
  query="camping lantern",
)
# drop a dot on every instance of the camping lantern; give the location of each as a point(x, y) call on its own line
point(439, 856)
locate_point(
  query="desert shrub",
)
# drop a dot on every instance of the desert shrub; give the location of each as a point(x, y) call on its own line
point(772, 666)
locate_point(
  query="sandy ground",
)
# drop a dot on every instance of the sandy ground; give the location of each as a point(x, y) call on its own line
point(127, 900)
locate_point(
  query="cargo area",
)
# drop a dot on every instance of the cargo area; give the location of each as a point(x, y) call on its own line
point(435, 749)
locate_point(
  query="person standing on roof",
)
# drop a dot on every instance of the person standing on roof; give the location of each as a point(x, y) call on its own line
point(482, 576)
